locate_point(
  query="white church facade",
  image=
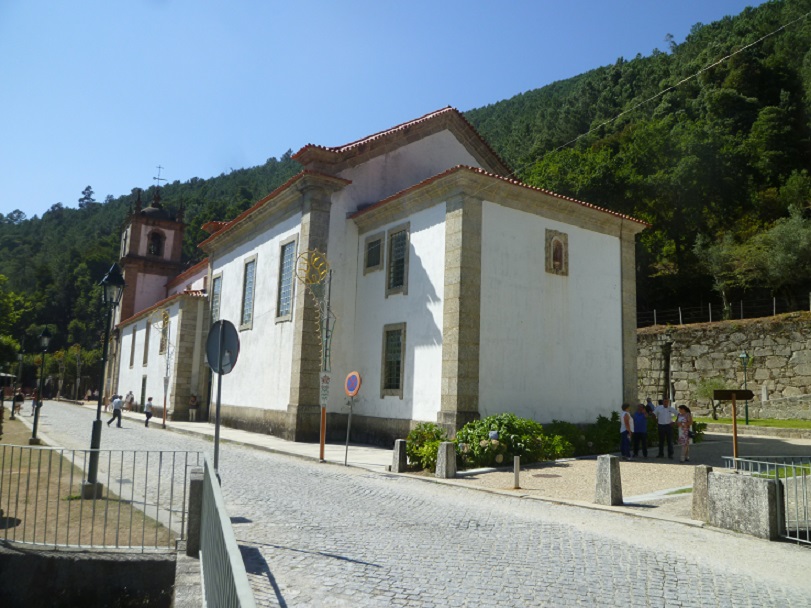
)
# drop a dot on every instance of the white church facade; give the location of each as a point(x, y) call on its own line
point(457, 292)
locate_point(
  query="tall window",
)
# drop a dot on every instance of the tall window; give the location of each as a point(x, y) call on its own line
point(216, 290)
point(287, 258)
point(248, 285)
point(393, 367)
point(132, 345)
point(155, 244)
point(397, 271)
point(373, 253)
point(146, 342)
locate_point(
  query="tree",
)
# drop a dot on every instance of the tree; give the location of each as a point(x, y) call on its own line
point(87, 198)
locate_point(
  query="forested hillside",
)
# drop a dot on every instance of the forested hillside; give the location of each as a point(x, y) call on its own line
point(715, 158)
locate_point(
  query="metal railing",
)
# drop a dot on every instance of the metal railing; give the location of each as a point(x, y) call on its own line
point(225, 581)
point(141, 504)
point(793, 488)
point(714, 311)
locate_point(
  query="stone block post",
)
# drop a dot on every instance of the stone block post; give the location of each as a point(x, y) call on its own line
point(196, 479)
point(398, 459)
point(609, 483)
point(446, 460)
point(701, 487)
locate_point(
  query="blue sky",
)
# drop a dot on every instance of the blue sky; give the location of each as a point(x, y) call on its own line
point(100, 92)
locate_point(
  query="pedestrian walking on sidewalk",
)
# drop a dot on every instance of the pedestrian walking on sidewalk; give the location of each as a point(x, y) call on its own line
point(34, 400)
point(664, 417)
point(148, 411)
point(117, 407)
point(641, 430)
point(626, 431)
point(685, 424)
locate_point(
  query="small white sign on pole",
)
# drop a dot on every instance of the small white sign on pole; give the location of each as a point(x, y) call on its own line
point(324, 392)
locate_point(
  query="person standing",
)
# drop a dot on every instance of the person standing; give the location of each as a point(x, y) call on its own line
point(148, 411)
point(19, 399)
point(118, 405)
point(684, 421)
point(129, 401)
point(193, 406)
point(34, 399)
point(664, 418)
point(641, 430)
point(626, 431)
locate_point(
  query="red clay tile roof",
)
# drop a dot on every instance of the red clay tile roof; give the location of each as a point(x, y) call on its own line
point(187, 273)
point(396, 129)
point(494, 176)
point(213, 226)
point(189, 293)
point(267, 198)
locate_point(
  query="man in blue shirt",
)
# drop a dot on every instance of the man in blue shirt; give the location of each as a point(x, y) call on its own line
point(640, 431)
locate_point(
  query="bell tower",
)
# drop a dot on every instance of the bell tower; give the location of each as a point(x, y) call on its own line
point(150, 256)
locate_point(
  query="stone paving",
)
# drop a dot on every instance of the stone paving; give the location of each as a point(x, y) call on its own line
point(326, 535)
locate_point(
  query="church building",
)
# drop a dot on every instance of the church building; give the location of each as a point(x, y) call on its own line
point(455, 291)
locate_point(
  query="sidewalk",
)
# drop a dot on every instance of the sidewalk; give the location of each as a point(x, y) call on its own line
point(652, 487)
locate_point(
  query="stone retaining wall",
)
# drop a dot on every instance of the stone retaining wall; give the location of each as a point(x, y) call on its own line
point(779, 370)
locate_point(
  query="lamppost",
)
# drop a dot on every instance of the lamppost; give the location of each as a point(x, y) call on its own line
point(744, 357)
point(19, 379)
point(112, 288)
point(44, 340)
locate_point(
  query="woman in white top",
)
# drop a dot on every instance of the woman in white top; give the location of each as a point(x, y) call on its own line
point(626, 431)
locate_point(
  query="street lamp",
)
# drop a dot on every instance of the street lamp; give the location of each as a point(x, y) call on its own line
point(44, 341)
point(744, 357)
point(112, 288)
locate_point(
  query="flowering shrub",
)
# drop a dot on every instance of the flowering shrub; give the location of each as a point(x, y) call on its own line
point(422, 445)
point(495, 440)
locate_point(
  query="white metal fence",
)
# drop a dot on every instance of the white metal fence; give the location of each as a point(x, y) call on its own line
point(714, 311)
point(793, 488)
point(142, 503)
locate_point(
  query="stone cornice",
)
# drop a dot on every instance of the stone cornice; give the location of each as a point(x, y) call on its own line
point(475, 183)
point(281, 203)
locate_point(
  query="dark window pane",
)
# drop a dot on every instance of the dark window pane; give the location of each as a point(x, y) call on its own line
point(373, 249)
point(397, 253)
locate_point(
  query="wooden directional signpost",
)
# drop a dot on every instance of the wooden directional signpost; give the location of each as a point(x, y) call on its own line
point(733, 395)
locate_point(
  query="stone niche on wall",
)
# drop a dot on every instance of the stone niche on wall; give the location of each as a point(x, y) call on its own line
point(778, 370)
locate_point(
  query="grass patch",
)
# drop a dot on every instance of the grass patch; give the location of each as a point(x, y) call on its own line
point(41, 501)
point(682, 491)
point(785, 472)
point(770, 422)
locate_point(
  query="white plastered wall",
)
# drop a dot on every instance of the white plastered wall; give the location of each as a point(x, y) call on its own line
point(261, 377)
point(551, 346)
point(420, 309)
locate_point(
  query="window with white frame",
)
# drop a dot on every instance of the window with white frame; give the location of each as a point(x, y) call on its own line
point(393, 360)
point(248, 290)
point(397, 263)
point(216, 290)
point(373, 253)
point(287, 261)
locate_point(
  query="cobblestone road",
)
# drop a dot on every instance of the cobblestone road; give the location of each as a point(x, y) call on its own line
point(324, 535)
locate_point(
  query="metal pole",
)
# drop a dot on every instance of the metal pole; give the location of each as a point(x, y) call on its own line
point(348, 427)
point(38, 405)
point(95, 436)
point(217, 415)
point(710, 305)
point(746, 403)
point(680, 319)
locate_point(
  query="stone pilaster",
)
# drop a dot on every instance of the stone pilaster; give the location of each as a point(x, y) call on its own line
point(461, 315)
point(303, 409)
point(629, 350)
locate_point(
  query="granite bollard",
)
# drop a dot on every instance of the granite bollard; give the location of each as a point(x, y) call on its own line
point(398, 458)
point(609, 484)
point(446, 460)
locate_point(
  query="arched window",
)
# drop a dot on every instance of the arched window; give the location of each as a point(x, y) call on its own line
point(155, 244)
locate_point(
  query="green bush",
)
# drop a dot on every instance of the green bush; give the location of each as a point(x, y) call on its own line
point(422, 445)
point(574, 434)
point(516, 437)
point(603, 436)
